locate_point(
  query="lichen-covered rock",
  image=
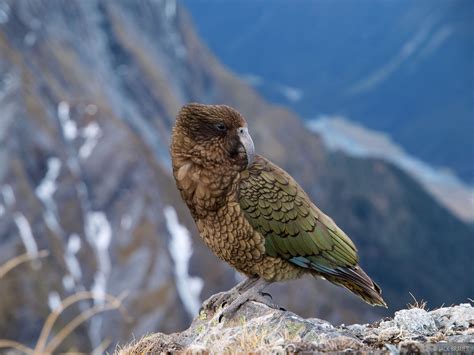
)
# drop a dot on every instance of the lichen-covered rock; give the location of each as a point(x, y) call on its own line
point(454, 318)
point(415, 321)
point(259, 328)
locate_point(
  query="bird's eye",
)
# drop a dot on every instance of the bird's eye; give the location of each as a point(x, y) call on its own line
point(220, 127)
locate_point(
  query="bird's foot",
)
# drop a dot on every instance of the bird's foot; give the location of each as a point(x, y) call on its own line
point(257, 296)
point(219, 300)
point(223, 298)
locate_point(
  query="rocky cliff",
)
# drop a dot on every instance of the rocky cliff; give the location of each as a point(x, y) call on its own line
point(88, 95)
point(257, 328)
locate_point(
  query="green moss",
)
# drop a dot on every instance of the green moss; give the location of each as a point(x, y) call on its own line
point(214, 322)
point(202, 315)
point(294, 329)
point(200, 328)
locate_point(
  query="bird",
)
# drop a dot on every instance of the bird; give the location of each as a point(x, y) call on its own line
point(253, 214)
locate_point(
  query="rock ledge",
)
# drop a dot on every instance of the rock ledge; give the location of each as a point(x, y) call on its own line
point(259, 328)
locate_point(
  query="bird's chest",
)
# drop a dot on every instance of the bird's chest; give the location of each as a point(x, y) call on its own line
point(231, 237)
point(204, 190)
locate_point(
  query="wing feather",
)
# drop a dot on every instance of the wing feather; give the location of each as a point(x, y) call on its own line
point(293, 227)
point(296, 230)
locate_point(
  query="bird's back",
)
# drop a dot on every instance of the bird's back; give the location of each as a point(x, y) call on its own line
point(296, 231)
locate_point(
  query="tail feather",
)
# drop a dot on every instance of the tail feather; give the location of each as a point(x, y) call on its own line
point(359, 283)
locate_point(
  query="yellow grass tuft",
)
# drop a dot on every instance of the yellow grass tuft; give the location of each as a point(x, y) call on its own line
point(20, 259)
point(43, 346)
point(417, 304)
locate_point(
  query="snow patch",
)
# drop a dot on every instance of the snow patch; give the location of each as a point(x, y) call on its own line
point(126, 222)
point(25, 234)
point(30, 38)
point(4, 13)
point(340, 134)
point(180, 248)
point(407, 50)
point(7, 84)
point(174, 38)
point(68, 126)
point(437, 40)
point(54, 301)
point(99, 235)
point(91, 109)
point(72, 248)
point(252, 79)
point(45, 192)
point(68, 283)
point(8, 195)
point(74, 244)
point(290, 93)
point(91, 134)
point(170, 9)
point(63, 111)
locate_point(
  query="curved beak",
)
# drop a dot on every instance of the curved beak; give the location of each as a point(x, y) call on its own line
point(247, 142)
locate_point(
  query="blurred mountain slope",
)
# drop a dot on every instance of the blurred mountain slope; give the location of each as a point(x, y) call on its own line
point(402, 67)
point(88, 95)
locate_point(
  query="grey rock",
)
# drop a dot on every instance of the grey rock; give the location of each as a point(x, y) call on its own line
point(415, 321)
point(457, 317)
point(257, 327)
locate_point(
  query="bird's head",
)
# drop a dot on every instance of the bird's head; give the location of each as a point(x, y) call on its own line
point(213, 135)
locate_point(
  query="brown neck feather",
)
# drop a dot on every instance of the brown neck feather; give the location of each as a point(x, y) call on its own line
point(204, 186)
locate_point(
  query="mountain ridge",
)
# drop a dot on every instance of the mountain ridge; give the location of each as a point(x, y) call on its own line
point(93, 88)
point(399, 67)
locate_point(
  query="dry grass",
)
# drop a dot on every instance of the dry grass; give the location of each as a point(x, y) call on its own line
point(252, 338)
point(157, 343)
point(48, 343)
point(20, 259)
point(421, 304)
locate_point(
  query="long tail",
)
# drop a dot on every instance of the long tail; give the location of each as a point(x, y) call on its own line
point(358, 282)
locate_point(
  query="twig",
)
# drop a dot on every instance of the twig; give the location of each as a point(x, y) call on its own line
point(99, 349)
point(67, 302)
point(15, 345)
point(77, 321)
point(102, 346)
point(42, 345)
point(20, 259)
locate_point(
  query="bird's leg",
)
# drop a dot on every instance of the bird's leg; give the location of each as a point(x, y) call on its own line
point(226, 297)
point(253, 293)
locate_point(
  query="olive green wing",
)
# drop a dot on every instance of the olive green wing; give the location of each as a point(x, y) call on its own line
point(293, 227)
point(296, 230)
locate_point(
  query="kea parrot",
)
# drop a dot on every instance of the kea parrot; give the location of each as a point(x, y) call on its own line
point(254, 215)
